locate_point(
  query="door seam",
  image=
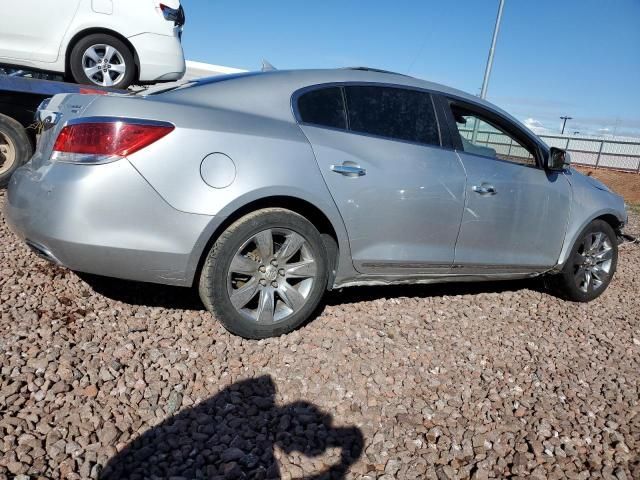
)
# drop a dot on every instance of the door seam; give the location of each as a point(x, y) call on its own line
point(324, 181)
point(464, 208)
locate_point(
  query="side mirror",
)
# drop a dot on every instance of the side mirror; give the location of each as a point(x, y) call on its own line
point(558, 160)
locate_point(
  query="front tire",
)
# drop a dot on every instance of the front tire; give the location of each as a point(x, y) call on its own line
point(15, 148)
point(591, 265)
point(102, 60)
point(266, 274)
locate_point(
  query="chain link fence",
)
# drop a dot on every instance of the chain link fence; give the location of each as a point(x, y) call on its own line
point(597, 153)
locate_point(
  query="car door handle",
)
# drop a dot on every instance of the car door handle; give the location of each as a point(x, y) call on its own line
point(349, 170)
point(485, 189)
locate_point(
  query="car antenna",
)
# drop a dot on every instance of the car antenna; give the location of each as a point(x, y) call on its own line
point(267, 67)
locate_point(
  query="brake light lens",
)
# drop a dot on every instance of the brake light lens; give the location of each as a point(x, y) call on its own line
point(169, 14)
point(103, 142)
point(92, 91)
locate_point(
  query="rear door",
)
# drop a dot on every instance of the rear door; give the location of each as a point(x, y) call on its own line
point(400, 194)
point(32, 30)
point(516, 213)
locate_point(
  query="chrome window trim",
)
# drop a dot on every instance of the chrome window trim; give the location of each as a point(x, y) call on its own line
point(496, 159)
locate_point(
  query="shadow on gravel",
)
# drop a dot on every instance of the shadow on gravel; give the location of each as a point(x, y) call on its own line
point(144, 294)
point(362, 294)
point(232, 435)
point(165, 296)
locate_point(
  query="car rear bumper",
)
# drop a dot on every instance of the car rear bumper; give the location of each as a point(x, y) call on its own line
point(160, 57)
point(105, 220)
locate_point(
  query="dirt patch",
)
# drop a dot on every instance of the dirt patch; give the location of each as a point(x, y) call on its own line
point(625, 183)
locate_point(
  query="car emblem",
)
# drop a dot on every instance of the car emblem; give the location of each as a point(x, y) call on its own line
point(271, 274)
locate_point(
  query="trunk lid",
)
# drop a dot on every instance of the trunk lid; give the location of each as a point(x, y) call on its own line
point(51, 118)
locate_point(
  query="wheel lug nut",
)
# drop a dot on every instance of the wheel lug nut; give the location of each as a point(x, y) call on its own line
point(263, 282)
point(262, 269)
point(274, 263)
point(274, 284)
point(281, 272)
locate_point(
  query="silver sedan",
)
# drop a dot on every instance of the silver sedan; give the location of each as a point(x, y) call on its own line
point(263, 190)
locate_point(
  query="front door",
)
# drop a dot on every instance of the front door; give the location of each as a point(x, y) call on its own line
point(516, 213)
point(400, 194)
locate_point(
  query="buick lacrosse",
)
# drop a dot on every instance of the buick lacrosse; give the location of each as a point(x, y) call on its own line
point(264, 190)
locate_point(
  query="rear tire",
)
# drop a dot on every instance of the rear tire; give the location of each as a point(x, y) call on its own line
point(591, 264)
point(266, 274)
point(102, 60)
point(15, 148)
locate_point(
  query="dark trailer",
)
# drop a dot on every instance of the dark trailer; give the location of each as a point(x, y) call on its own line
point(20, 97)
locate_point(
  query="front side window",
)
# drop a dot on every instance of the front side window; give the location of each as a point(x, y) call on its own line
point(390, 112)
point(323, 107)
point(483, 138)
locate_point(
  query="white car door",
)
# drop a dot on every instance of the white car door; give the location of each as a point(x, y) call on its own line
point(32, 30)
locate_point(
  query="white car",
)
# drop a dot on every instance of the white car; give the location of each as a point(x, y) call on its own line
point(111, 43)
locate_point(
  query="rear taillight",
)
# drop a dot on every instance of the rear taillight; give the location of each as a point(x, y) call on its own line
point(170, 14)
point(106, 141)
point(92, 91)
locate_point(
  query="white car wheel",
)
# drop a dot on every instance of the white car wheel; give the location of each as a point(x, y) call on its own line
point(104, 61)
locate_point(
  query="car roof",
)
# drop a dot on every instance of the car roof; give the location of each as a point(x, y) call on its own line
point(246, 91)
point(337, 75)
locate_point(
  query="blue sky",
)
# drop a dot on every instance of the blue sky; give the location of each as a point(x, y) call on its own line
point(570, 57)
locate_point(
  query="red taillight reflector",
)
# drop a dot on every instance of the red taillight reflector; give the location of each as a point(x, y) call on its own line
point(92, 91)
point(117, 139)
point(169, 13)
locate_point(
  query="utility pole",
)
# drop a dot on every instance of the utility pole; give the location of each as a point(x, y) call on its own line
point(487, 70)
point(564, 123)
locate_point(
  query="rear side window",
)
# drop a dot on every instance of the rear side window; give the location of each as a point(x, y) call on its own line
point(324, 107)
point(392, 112)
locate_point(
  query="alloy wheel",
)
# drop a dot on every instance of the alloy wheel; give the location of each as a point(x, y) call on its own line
point(7, 154)
point(271, 276)
point(104, 65)
point(592, 262)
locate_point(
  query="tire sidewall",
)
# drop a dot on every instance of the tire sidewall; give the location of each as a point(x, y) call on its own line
point(21, 142)
point(75, 61)
point(217, 299)
point(568, 282)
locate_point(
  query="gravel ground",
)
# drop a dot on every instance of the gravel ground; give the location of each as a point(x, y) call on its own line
point(108, 379)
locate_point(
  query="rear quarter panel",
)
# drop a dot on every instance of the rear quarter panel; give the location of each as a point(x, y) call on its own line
point(126, 18)
point(272, 157)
